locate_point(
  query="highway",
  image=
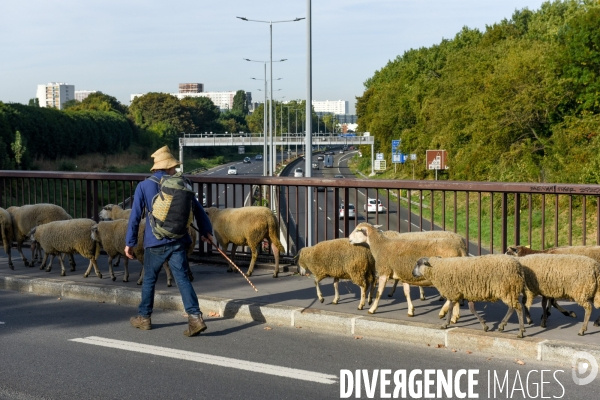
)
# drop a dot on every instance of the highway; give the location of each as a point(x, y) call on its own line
point(71, 349)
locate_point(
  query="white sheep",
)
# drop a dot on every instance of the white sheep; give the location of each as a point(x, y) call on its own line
point(338, 259)
point(395, 258)
point(113, 212)
point(246, 226)
point(111, 235)
point(491, 278)
point(27, 217)
point(562, 276)
point(70, 236)
point(6, 231)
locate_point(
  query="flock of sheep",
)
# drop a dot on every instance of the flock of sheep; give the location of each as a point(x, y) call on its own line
point(369, 257)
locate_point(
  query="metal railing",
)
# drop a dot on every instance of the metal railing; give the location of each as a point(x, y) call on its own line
point(490, 216)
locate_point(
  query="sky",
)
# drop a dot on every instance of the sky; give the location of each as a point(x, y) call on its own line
point(134, 46)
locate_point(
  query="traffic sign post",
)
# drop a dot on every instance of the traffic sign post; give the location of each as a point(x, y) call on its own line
point(436, 159)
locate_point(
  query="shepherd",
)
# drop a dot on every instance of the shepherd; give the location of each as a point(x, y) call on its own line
point(170, 203)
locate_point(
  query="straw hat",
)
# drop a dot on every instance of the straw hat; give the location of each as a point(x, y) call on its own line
point(163, 159)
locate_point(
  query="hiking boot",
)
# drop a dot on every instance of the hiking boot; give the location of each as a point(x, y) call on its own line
point(144, 323)
point(195, 325)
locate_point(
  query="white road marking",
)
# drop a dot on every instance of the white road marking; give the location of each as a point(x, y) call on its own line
point(210, 359)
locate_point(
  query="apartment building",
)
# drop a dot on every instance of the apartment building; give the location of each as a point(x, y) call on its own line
point(55, 94)
point(81, 95)
point(339, 107)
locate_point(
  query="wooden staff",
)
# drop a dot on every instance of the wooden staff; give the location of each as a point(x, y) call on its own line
point(227, 258)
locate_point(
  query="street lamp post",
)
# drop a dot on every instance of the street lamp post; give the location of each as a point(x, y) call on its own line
point(308, 169)
point(265, 158)
point(271, 60)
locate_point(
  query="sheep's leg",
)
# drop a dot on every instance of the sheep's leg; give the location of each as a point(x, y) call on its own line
point(421, 293)
point(527, 300)
point(110, 268)
point(382, 282)
point(519, 309)
point(141, 279)
point(544, 311)
point(49, 265)
point(63, 272)
point(479, 317)
point(116, 264)
point(564, 312)
point(72, 262)
point(319, 294)
point(126, 267)
point(231, 255)
point(444, 309)
point(455, 313)
point(94, 264)
point(336, 298)
point(169, 274)
point(20, 250)
point(253, 261)
point(391, 293)
point(7, 249)
point(363, 292)
point(587, 306)
point(276, 255)
point(411, 308)
point(449, 316)
point(372, 288)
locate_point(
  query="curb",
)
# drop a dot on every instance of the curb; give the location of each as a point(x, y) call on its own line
point(414, 333)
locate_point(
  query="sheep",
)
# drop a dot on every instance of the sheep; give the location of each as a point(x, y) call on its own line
point(562, 276)
point(425, 235)
point(589, 251)
point(139, 255)
point(111, 236)
point(491, 277)
point(69, 236)
point(338, 259)
point(113, 212)
point(395, 258)
point(6, 231)
point(246, 226)
point(26, 217)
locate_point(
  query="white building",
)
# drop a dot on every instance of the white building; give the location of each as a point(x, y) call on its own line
point(81, 95)
point(55, 94)
point(339, 107)
point(223, 100)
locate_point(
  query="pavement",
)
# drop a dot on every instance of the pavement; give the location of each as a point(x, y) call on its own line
point(291, 300)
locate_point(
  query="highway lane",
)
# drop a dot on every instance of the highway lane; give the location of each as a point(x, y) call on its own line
point(72, 349)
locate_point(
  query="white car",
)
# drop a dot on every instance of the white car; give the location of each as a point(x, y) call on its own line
point(232, 170)
point(298, 173)
point(351, 211)
point(373, 205)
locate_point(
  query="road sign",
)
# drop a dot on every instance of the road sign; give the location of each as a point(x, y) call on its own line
point(413, 157)
point(380, 165)
point(436, 159)
point(397, 158)
point(241, 149)
point(395, 146)
point(379, 156)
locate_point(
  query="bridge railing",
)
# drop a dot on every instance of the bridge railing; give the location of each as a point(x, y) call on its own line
point(490, 216)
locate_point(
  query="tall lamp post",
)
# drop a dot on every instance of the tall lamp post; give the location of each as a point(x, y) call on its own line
point(288, 130)
point(265, 158)
point(271, 60)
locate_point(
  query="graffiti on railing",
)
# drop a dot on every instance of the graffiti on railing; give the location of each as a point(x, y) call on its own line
point(548, 189)
point(563, 189)
point(590, 189)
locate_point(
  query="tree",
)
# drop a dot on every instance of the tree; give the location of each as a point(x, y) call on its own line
point(35, 102)
point(100, 102)
point(18, 147)
point(70, 104)
point(240, 103)
point(203, 112)
point(152, 108)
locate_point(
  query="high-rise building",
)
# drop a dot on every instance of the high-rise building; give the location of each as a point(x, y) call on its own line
point(81, 95)
point(335, 106)
point(55, 94)
point(191, 87)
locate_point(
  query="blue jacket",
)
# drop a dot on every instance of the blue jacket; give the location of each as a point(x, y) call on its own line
point(144, 193)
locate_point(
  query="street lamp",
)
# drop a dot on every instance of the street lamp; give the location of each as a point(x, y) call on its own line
point(271, 60)
point(265, 158)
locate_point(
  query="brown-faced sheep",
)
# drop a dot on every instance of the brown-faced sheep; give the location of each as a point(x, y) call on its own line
point(27, 217)
point(562, 276)
point(395, 258)
point(485, 278)
point(113, 212)
point(6, 231)
point(246, 226)
point(338, 259)
point(70, 236)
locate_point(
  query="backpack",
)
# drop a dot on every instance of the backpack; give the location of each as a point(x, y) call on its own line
point(171, 213)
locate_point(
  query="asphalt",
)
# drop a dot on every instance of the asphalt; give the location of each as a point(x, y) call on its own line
point(291, 299)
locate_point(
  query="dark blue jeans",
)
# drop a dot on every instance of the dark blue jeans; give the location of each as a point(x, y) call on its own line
point(154, 257)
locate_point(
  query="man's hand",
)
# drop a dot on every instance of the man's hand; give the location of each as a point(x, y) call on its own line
point(207, 239)
point(129, 252)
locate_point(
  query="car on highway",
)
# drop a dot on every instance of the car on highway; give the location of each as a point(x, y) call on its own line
point(247, 160)
point(373, 205)
point(338, 176)
point(298, 173)
point(315, 165)
point(350, 211)
point(232, 170)
point(342, 151)
point(258, 157)
point(320, 158)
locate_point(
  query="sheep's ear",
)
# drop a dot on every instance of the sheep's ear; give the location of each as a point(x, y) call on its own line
point(364, 232)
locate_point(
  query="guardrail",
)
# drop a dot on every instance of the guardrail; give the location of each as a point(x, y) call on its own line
point(490, 216)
